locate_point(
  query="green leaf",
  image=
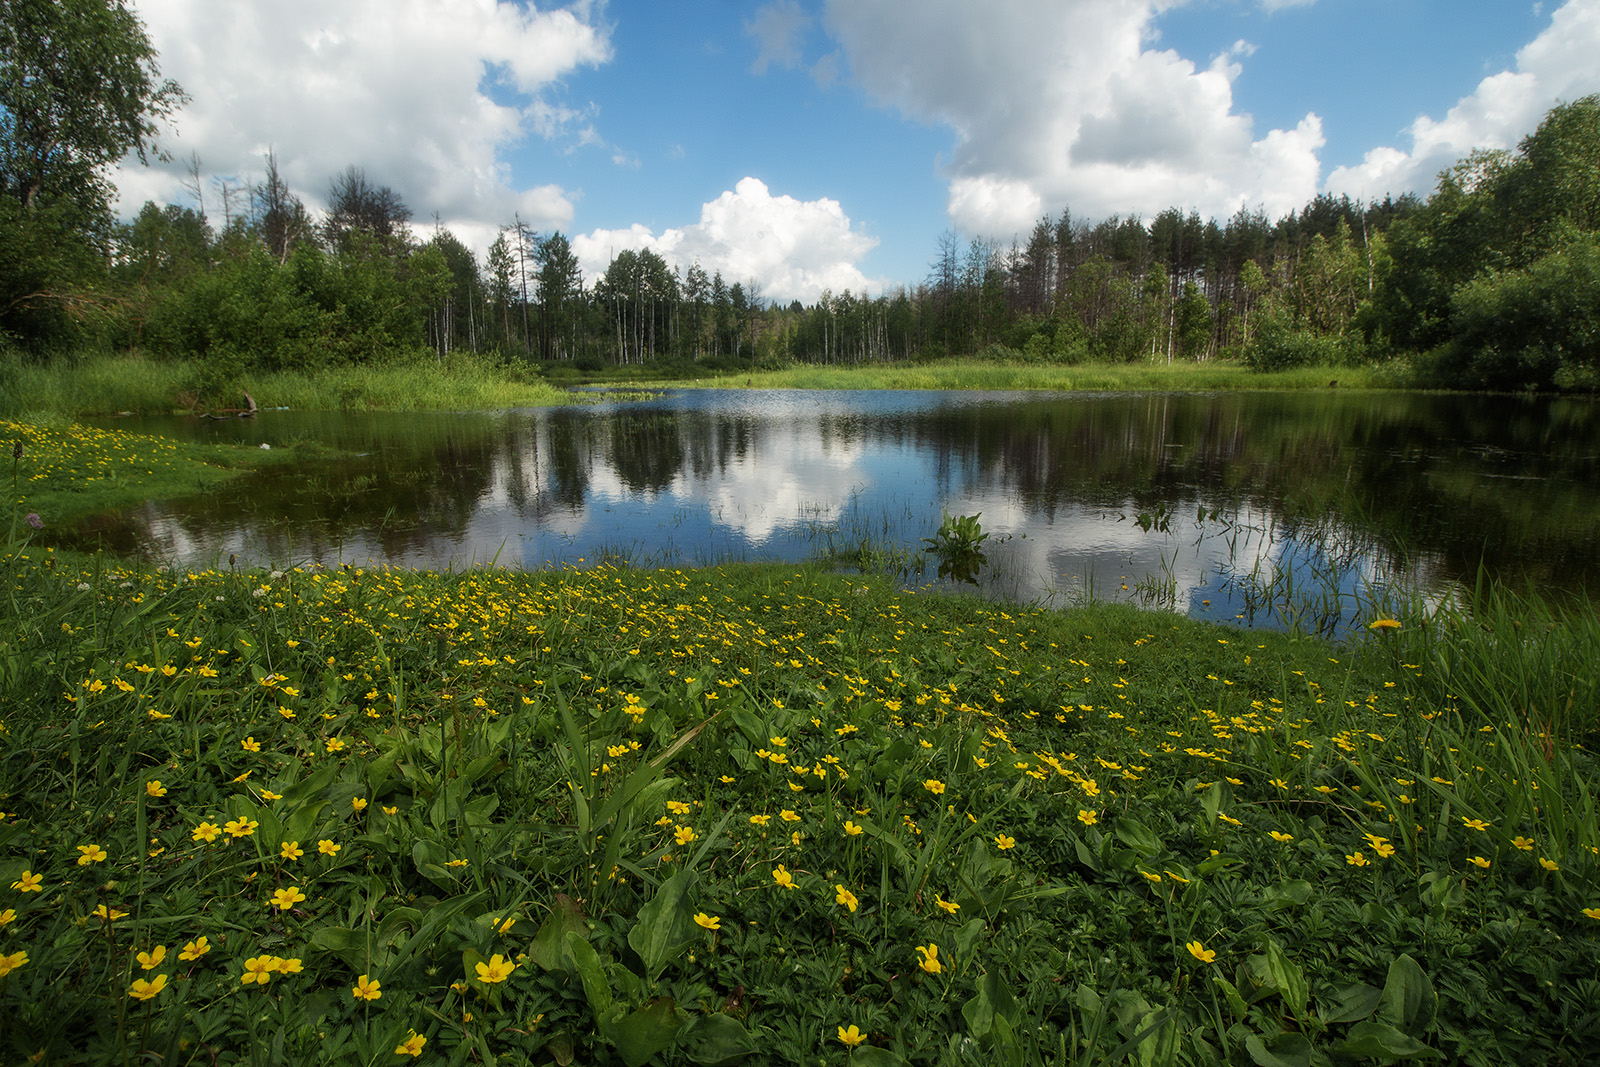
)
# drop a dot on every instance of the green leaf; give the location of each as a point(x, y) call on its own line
point(666, 927)
point(1352, 1003)
point(549, 949)
point(1288, 977)
point(641, 1034)
point(1285, 1050)
point(1289, 894)
point(872, 1056)
point(967, 939)
point(1409, 1002)
point(1137, 836)
point(716, 1039)
point(1376, 1040)
point(587, 963)
point(993, 1000)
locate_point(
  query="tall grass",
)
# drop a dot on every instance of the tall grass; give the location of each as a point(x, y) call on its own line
point(975, 374)
point(99, 385)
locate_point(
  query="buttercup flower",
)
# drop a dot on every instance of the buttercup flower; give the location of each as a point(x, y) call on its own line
point(710, 922)
point(154, 788)
point(684, 835)
point(290, 850)
point(1279, 836)
point(194, 949)
point(1479, 861)
point(1200, 952)
point(934, 786)
point(782, 877)
point(929, 960)
point(498, 969)
point(851, 1037)
point(144, 990)
point(258, 969)
point(207, 832)
point(29, 883)
point(411, 1046)
point(88, 854)
point(366, 989)
point(851, 828)
point(240, 827)
point(1088, 818)
point(845, 898)
point(284, 899)
point(358, 803)
point(1003, 842)
point(149, 961)
point(328, 848)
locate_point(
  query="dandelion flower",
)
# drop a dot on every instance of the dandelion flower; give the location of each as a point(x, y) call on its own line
point(710, 922)
point(1200, 952)
point(851, 1037)
point(498, 969)
point(412, 1045)
point(1384, 624)
point(929, 960)
point(845, 898)
point(144, 990)
point(366, 989)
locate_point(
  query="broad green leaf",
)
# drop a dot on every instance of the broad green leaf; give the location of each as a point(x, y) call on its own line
point(1288, 977)
point(587, 963)
point(716, 1039)
point(1285, 1050)
point(549, 949)
point(1289, 894)
point(872, 1056)
point(640, 1034)
point(1409, 1002)
point(1376, 1040)
point(1137, 836)
point(993, 1001)
point(666, 927)
point(1351, 1003)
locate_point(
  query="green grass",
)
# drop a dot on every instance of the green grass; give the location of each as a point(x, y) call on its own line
point(67, 470)
point(976, 374)
point(1121, 835)
point(98, 385)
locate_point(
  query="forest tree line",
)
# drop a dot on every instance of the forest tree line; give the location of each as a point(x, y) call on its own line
point(1493, 281)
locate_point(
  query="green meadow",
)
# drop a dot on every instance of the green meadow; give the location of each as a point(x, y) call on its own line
point(768, 814)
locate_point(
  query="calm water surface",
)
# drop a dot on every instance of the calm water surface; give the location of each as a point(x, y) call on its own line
point(1210, 504)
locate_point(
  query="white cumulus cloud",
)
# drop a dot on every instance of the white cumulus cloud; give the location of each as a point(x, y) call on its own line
point(1559, 64)
point(424, 95)
point(1066, 103)
point(793, 248)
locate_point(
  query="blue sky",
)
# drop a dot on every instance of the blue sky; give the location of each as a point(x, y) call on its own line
point(806, 145)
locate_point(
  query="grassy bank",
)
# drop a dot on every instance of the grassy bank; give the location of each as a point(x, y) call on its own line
point(769, 814)
point(1118, 377)
point(66, 470)
point(107, 385)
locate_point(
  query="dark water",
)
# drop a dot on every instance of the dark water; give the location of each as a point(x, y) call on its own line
point(1211, 504)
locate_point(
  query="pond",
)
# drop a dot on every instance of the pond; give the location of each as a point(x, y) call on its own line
point(1263, 508)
